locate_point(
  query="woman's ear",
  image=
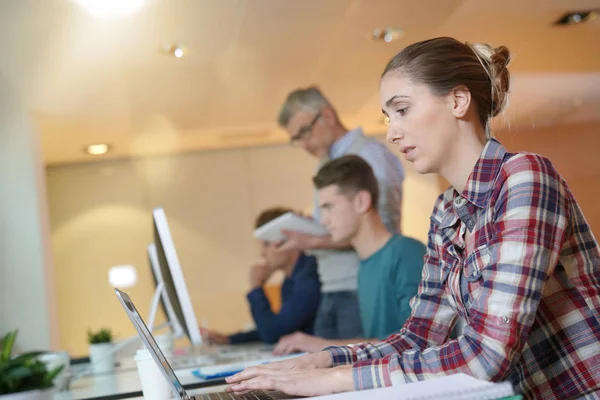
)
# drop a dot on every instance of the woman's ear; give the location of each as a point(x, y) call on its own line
point(461, 100)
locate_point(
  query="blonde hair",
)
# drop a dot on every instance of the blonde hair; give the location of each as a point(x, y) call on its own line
point(445, 63)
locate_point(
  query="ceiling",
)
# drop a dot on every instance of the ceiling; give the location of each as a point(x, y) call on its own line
point(87, 80)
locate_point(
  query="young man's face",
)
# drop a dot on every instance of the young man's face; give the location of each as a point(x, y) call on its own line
point(339, 213)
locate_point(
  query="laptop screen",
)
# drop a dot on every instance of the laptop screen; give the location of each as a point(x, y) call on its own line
point(151, 344)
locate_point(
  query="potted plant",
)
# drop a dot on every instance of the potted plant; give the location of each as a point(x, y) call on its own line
point(24, 377)
point(101, 350)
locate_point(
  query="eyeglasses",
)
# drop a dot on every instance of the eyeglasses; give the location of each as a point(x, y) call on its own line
point(305, 131)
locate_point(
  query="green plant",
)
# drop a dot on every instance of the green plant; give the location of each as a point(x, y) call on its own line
point(23, 372)
point(104, 335)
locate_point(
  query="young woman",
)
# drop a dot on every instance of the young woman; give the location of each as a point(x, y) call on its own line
point(509, 249)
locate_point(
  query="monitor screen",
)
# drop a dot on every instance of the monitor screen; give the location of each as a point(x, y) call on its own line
point(173, 279)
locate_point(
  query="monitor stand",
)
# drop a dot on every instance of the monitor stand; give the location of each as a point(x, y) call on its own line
point(176, 329)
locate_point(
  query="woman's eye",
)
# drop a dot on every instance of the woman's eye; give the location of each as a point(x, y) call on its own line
point(402, 111)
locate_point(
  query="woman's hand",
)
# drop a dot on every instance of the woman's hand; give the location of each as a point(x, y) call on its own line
point(296, 382)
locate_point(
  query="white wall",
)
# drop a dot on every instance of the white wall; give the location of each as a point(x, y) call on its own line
point(26, 277)
point(100, 216)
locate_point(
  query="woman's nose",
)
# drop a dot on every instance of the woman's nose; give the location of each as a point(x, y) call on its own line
point(394, 135)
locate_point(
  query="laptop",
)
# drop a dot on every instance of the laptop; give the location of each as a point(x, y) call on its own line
point(167, 371)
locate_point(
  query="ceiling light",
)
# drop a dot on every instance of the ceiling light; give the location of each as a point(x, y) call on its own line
point(111, 8)
point(386, 35)
point(175, 50)
point(97, 149)
point(577, 17)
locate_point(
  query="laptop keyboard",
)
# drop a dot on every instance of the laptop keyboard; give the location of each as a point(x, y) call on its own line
point(254, 395)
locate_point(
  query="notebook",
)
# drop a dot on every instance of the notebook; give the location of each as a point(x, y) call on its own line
point(452, 387)
point(271, 231)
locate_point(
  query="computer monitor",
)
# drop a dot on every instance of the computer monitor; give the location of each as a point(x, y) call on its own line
point(173, 279)
point(165, 302)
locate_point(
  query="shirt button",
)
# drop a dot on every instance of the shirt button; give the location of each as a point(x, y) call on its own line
point(505, 320)
point(459, 201)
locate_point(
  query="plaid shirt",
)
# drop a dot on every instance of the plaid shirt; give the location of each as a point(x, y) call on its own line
point(527, 283)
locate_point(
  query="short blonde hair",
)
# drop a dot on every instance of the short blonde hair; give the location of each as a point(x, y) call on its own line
point(306, 99)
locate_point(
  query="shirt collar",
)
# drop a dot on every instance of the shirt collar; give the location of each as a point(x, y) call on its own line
point(480, 182)
point(341, 146)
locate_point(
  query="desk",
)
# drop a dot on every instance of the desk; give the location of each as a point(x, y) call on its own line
point(126, 385)
point(124, 382)
point(220, 388)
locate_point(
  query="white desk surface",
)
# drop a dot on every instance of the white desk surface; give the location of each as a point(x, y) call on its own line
point(121, 384)
point(124, 381)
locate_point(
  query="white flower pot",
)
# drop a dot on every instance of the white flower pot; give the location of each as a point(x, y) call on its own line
point(30, 395)
point(101, 357)
point(55, 359)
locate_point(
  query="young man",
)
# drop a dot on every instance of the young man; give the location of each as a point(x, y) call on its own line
point(300, 292)
point(390, 264)
point(313, 124)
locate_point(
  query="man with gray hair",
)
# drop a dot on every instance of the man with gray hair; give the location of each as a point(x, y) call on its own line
point(313, 123)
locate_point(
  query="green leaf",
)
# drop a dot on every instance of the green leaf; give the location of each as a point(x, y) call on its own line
point(19, 373)
point(23, 359)
point(104, 335)
point(7, 345)
point(23, 372)
point(30, 355)
point(53, 374)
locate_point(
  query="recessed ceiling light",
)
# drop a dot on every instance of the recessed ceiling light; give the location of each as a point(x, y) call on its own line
point(175, 50)
point(577, 17)
point(387, 35)
point(97, 149)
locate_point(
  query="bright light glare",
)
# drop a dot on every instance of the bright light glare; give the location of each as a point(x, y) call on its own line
point(122, 276)
point(97, 149)
point(178, 53)
point(111, 8)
